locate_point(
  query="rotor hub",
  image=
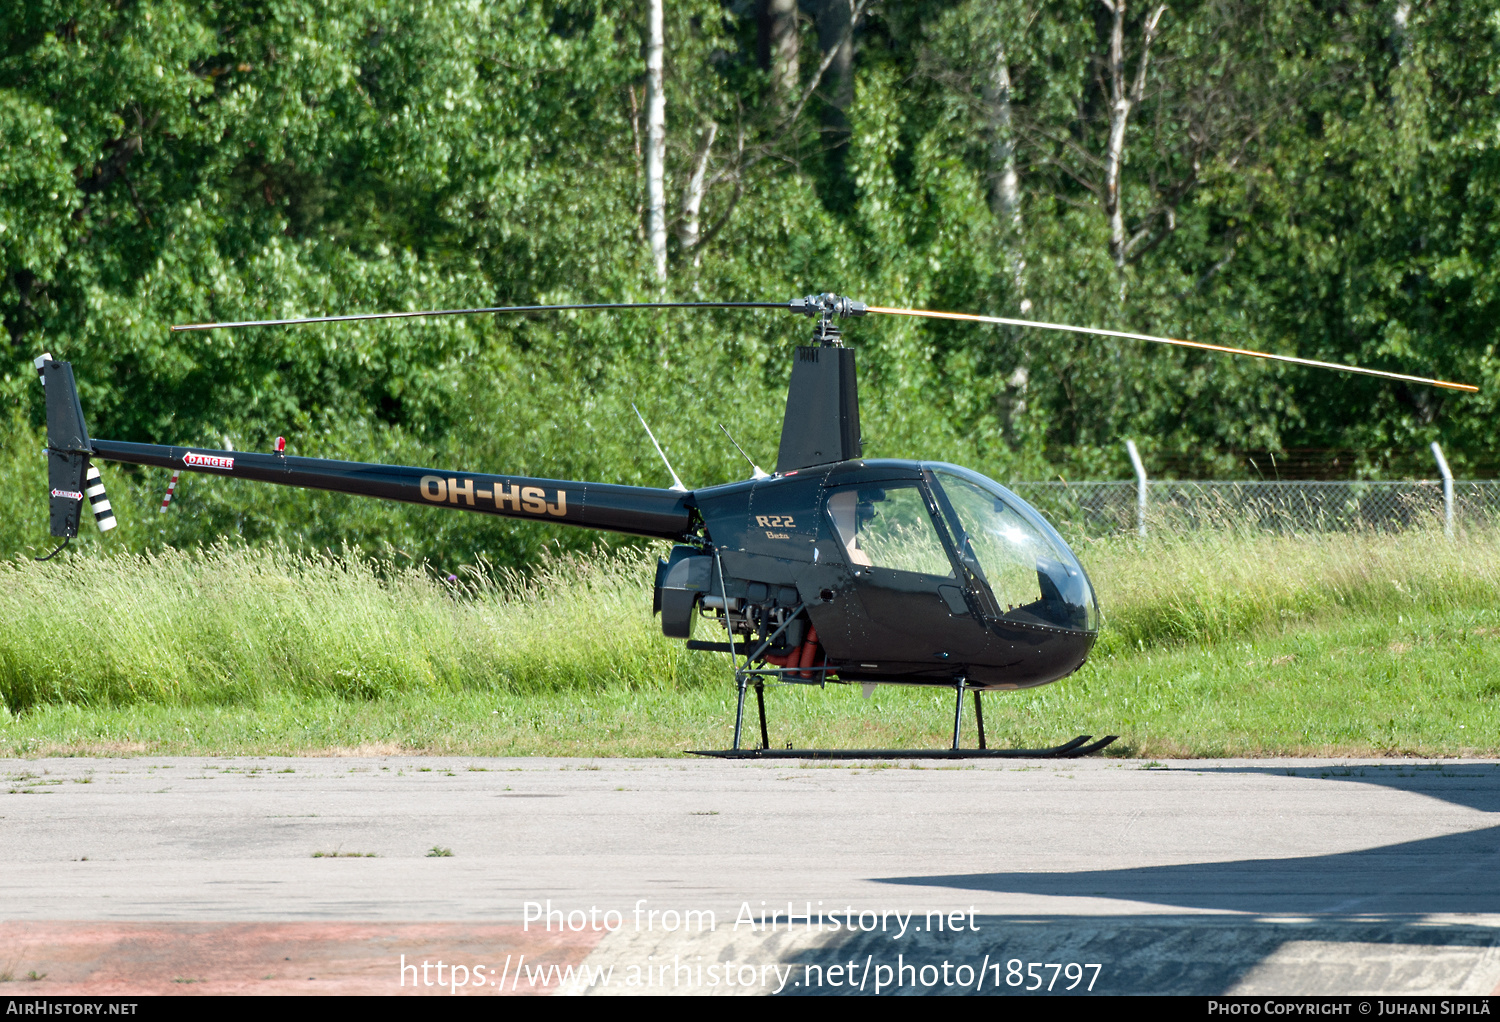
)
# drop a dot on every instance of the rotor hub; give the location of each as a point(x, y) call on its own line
point(825, 307)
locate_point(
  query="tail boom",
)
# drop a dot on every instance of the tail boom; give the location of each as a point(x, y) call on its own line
point(635, 510)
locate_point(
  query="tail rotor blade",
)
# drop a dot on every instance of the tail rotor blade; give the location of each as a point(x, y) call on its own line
point(104, 515)
point(1003, 321)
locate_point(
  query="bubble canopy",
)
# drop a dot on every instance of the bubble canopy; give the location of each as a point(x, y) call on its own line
point(1031, 575)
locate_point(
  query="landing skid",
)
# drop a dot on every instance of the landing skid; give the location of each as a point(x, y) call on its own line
point(1080, 746)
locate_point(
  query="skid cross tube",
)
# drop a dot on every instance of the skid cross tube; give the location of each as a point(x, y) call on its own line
point(958, 710)
point(739, 711)
point(760, 701)
point(979, 717)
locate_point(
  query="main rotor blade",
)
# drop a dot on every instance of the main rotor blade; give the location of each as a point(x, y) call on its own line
point(474, 312)
point(1002, 321)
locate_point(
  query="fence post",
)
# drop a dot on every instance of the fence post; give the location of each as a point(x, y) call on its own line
point(1140, 487)
point(1442, 464)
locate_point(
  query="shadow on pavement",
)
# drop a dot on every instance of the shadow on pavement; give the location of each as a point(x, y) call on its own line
point(1476, 785)
point(1345, 923)
point(1168, 954)
point(1452, 873)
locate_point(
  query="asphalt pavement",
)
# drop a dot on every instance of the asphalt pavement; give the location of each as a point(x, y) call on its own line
point(340, 875)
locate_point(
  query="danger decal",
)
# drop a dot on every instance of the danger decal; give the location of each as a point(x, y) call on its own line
point(192, 459)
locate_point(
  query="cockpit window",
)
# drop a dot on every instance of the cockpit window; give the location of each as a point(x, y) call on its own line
point(1032, 574)
point(888, 527)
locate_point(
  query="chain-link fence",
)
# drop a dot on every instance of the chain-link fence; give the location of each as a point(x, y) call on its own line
point(1096, 508)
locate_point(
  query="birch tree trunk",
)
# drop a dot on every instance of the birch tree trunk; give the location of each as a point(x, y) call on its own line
point(656, 145)
point(1005, 193)
point(1005, 204)
point(688, 231)
point(1124, 96)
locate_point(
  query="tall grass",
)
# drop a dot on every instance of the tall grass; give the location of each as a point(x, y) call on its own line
point(1209, 585)
point(230, 624)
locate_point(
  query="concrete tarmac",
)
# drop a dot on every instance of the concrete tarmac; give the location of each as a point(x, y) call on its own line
point(318, 875)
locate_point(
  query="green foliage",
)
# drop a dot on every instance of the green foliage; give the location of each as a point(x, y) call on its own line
point(1321, 181)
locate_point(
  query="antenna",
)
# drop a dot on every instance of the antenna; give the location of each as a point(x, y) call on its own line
point(758, 472)
point(676, 483)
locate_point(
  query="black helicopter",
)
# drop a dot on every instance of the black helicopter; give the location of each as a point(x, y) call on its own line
point(834, 568)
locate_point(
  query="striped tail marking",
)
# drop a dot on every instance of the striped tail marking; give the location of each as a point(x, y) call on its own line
point(104, 515)
point(171, 488)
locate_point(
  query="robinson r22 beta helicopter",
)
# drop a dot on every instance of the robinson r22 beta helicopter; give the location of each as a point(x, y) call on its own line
point(833, 568)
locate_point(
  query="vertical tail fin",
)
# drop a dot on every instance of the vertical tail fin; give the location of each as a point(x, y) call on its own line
point(69, 473)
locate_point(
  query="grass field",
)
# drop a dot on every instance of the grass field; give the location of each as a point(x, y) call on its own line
point(1214, 644)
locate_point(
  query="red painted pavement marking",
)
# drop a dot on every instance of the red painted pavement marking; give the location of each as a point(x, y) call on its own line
point(122, 959)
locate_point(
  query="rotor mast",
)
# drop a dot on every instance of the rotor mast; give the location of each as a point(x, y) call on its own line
point(821, 424)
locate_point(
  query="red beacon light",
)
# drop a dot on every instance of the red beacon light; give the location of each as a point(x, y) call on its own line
point(281, 445)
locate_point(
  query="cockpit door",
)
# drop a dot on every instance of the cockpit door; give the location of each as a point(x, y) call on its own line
point(912, 596)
